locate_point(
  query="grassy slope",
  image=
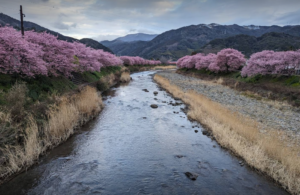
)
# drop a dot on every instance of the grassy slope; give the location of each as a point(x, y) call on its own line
point(39, 113)
point(41, 87)
point(39, 93)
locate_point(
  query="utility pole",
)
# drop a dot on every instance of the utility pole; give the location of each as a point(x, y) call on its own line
point(22, 24)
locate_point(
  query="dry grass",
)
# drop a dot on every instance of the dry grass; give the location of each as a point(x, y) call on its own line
point(16, 98)
point(125, 77)
point(62, 121)
point(70, 113)
point(164, 67)
point(64, 117)
point(266, 152)
point(17, 94)
point(108, 80)
point(88, 102)
point(277, 104)
point(5, 118)
point(251, 94)
point(22, 156)
point(220, 81)
point(124, 69)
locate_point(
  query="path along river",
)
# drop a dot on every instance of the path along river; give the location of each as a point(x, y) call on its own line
point(132, 148)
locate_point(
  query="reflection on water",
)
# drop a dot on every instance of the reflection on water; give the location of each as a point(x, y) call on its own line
point(134, 149)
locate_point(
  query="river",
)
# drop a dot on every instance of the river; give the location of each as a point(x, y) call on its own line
point(132, 148)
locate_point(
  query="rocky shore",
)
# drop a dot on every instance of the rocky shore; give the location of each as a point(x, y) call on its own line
point(269, 114)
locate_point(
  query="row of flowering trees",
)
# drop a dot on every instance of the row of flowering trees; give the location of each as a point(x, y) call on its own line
point(129, 60)
point(231, 60)
point(43, 54)
point(270, 62)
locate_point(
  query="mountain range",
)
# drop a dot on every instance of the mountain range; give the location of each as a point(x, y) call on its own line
point(126, 44)
point(174, 44)
point(7, 20)
point(133, 37)
point(251, 44)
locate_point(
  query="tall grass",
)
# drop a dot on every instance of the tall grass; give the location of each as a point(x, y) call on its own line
point(63, 118)
point(266, 152)
point(21, 156)
point(164, 67)
point(125, 77)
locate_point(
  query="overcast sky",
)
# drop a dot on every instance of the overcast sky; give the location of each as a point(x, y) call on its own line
point(109, 19)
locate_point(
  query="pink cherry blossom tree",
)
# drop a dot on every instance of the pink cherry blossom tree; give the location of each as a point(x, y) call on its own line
point(270, 62)
point(206, 61)
point(18, 55)
point(44, 54)
point(228, 60)
point(130, 60)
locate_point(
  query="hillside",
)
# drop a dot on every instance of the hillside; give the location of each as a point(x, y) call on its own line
point(177, 43)
point(5, 19)
point(128, 44)
point(94, 44)
point(136, 37)
point(251, 44)
point(126, 48)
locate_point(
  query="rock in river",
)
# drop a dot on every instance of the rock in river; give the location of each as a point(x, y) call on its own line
point(145, 90)
point(179, 156)
point(155, 92)
point(204, 132)
point(154, 106)
point(191, 176)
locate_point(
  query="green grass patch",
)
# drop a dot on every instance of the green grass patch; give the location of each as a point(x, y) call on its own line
point(95, 76)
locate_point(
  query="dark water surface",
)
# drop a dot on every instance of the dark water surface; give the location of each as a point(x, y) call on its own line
point(121, 152)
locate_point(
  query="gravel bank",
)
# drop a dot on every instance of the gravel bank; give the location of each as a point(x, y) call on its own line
point(268, 114)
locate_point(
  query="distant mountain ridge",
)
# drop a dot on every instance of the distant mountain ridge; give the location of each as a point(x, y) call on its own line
point(7, 20)
point(136, 37)
point(251, 44)
point(183, 41)
point(120, 44)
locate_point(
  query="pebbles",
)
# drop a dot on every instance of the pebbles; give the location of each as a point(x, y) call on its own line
point(269, 116)
point(154, 106)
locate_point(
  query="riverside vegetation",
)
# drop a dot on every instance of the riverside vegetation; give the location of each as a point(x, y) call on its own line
point(38, 114)
point(256, 116)
point(263, 134)
point(48, 88)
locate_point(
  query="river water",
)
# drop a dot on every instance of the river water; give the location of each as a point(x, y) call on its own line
point(132, 148)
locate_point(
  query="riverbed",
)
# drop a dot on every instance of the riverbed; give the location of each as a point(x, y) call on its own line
point(132, 148)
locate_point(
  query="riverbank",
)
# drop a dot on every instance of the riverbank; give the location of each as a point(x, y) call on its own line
point(39, 114)
point(279, 88)
point(148, 151)
point(264, 133)
point(134, 68)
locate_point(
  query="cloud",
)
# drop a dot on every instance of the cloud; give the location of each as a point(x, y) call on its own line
point(74, 25)
point(62, 26)
point(106, 19)
point(292, 18)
